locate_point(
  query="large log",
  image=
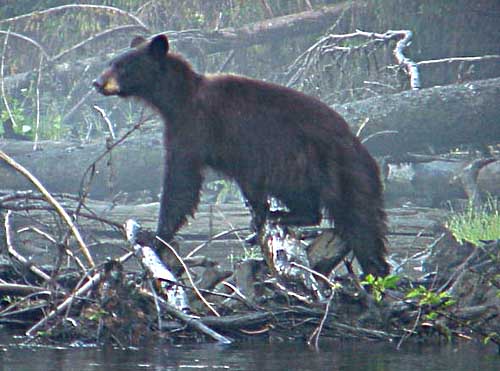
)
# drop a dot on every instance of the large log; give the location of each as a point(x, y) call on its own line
point(270, 30)
point(134, 165)
point(442, 117)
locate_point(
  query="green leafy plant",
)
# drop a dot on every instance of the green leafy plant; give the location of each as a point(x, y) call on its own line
point(430, 299)
point(20, 123)
point(380, 284)
point(475, 224)
point(96, 316)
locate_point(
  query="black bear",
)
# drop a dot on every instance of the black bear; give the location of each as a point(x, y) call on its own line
point(272, 140)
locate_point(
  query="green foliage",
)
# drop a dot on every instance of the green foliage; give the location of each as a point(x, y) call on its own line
point(476, 224)
point(490, 336)
point(51, 126)
point(380, 284)
point(20, 124)
point(429, 299)
point(96, 316)
point(252, 252)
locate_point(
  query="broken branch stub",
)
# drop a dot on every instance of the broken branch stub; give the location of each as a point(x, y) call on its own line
point(281, 248)
point(165, 281)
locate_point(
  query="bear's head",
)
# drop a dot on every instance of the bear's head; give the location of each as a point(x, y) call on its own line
point(135, 72)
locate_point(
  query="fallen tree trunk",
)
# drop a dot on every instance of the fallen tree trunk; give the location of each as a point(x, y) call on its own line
point(438, 181)
point(269, 30)
point(135, 165)
point(442, 117)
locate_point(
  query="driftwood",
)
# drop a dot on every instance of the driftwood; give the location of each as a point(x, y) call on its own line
point(269, 30)
point(435, 181)
point(348, 311)
point(61, 166)
point(442, 117)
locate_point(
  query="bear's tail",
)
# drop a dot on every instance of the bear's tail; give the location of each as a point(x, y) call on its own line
point(354, 199)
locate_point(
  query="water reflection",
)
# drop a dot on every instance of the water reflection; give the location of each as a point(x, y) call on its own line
point(250, 356)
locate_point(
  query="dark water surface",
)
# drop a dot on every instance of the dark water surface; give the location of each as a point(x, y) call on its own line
point(252, 356)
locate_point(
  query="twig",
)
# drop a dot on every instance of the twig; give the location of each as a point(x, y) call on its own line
point(2, 85)
point(406, 336)
point(213, 238)
point(330, 42)
point(106, 119)
point(91, 168)
point(460, 59)
point(157, 303)
point(127, 28)
point(53, 240)
point(77, 105)
point(192, 321)
point(26, 298)
point(378, 133)
point(314, 273)
point(16, 255)
point(190, 278)
point(226, 62)
point(459, 271)
point(362, 126)
point(37, 126)
point(51, 200)
point(411, 66)
point(317, 332)
point(18, 289)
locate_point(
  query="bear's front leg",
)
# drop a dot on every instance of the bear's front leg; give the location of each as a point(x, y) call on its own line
point(180, 194)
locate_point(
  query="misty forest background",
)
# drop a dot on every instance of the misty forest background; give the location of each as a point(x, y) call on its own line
point(52, 50)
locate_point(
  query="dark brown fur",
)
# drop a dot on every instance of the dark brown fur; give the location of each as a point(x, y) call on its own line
point(272, 140)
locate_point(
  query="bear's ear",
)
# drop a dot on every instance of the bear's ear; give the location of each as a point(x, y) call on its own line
point(159, 46)
point(136, 41)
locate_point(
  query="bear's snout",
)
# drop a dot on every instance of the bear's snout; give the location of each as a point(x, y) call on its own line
point(107, 84)
point(98, 84)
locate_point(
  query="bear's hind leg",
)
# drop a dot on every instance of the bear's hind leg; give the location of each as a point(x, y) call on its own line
point(304, 210)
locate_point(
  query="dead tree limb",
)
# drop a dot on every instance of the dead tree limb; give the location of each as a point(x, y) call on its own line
point(269, 30)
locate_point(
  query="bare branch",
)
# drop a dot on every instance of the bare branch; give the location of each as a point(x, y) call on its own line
point(4, 97)
point(37, 125)
point(190, 278)
point(26, 38)
point(51, 200)
point(10, 248)
point(62, 8)
point(460, 59)
point(100, 35)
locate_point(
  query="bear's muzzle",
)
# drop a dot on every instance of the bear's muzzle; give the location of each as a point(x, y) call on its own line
point(107, 84)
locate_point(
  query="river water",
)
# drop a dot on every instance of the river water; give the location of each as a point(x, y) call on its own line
point(333, 355)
